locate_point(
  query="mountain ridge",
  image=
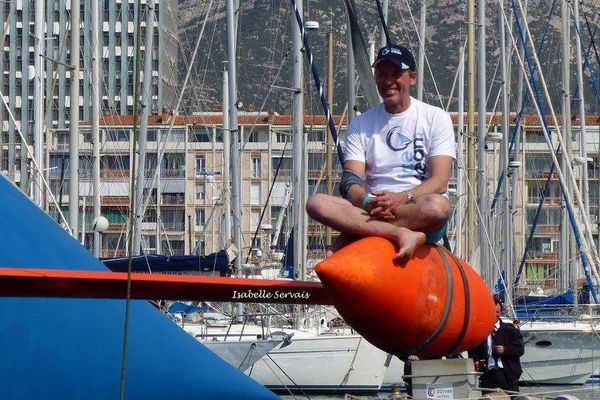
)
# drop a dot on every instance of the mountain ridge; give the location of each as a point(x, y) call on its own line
point(264, 49)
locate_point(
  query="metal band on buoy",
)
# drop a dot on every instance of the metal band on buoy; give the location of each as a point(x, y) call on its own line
point(447, 307)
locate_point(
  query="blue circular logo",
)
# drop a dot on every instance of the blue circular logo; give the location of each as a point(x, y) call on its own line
point(396, 140)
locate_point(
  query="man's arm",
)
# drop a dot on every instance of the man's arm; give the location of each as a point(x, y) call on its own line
point(356, 193)
point(515, 348)
point(441, 168)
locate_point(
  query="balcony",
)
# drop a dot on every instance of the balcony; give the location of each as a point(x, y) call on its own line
point(122, 201)
point(114, 173)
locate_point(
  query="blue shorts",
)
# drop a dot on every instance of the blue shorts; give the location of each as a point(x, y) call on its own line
point(434, 237)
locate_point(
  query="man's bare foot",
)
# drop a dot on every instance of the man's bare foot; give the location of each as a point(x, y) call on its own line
point(408, 241)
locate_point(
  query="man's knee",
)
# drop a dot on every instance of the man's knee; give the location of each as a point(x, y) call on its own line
point(435, 207)
point(314, 204)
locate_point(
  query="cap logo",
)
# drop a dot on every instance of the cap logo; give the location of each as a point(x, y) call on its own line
point(395, 51)
point(385, 51)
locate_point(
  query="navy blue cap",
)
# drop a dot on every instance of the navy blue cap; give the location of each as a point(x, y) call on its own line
point(397, 54)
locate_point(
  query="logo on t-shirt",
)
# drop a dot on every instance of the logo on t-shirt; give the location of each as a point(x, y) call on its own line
point(396, 141)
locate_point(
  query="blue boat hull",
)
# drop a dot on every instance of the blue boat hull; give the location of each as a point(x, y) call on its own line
point(73, 348)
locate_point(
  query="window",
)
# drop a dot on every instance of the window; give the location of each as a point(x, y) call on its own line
point(201, 246)
point(173, 165)
point(149, 242)
point(200, 193)
point(200, 165)
point(283, 137)
point(200, 218)
point(253, 137)
point(202, 134)
point(113, 241)
point(117, 135)
point(256, 167)
point(173, 247)
point(173, 220)
point(151, 162)
point(255, 193)
point(150, 215)
point(173, 198)
point(316, 136)
point(284, 164)
point(254, 219)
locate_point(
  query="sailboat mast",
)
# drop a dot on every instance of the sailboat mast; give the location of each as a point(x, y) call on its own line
point(235, 138)
point(506, 255)
point(226, 233)
point(481, 141)
point(330, 144)
point(74, 123)
point(567, 245)
point(95, 94)
point(460, 175)
point(582, 126)
point(299, 166)
point(350, 76)
point(517, 176)
point(470, 238)
point(141, 148)
point(421, 57)
point(583, 179)
point(38, 98)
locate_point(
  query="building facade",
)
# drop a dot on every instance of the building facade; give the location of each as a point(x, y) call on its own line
point(117, 47)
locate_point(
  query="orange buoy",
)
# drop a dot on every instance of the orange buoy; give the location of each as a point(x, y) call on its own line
point(433, 305)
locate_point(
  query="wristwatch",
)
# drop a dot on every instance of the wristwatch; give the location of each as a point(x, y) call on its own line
point(410, 199)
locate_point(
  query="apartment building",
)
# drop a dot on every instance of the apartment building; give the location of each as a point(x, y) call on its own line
point(117, 47)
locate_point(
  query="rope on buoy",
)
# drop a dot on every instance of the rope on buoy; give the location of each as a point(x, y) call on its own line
point(467, 302)
point(447, 307)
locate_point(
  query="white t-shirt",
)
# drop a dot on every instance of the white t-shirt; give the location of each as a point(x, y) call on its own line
point(396, 148)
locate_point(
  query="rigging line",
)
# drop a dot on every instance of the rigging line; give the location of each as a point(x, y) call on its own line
point(317, 81)
point(35, 164)
point(454, 82)
point(262, 215)
point(437, 91)
point(294, 384)
point(582, 245)
point(131, 219)
point(262, 106)
point(517, 127)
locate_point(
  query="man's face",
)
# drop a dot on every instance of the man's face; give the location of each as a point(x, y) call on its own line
point(393, 83)
point(498, 311)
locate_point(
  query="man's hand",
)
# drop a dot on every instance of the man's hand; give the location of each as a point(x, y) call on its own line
point(499, 349)
point(384, 203)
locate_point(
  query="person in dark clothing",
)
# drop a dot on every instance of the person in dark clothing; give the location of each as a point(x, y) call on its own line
point(498, 357)
point(408, 371)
